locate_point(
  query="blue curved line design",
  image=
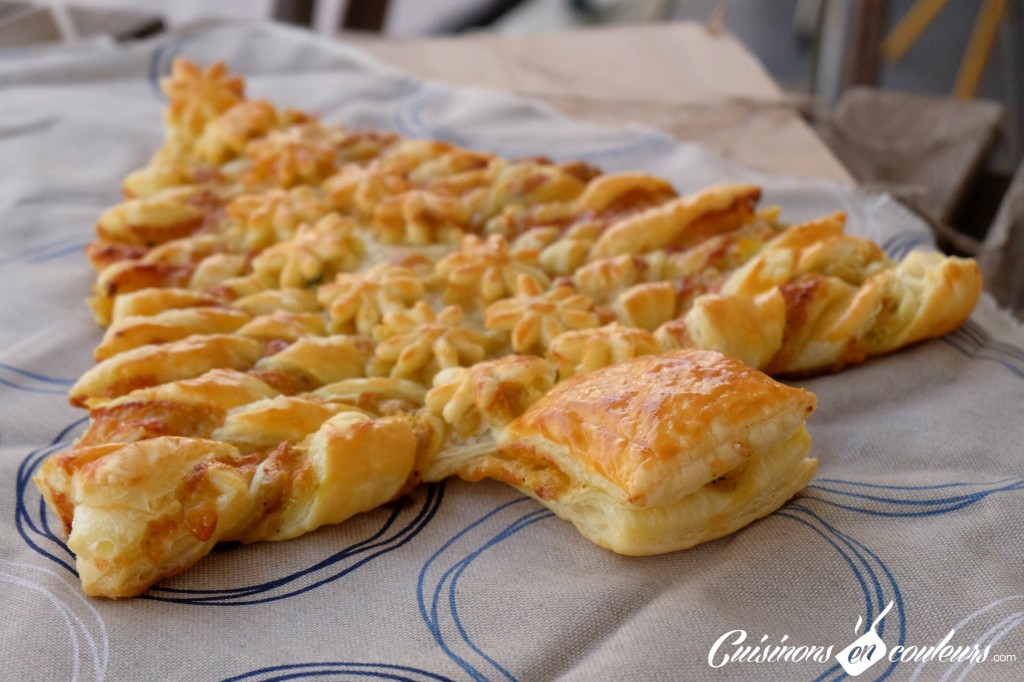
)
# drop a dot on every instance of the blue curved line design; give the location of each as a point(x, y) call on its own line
point(975, 350)
point(30, 389)
point(332, 568)
point(515, 527)
point(444, 591)
point(339, 670)
point(404, 521)
point(159, 66)
point(888, 244)
point(976, 354)
point(35, 375)
point(32, 382)
point(902, 243)
point(906, 247)
point(370, 542)
point(73, 249)
point(31, 529)
point(409, 120)
point(979, 335)
point(876, 581)
point(971, 340)
point(878, 585)
point(49, 251)
point(402, 88)
point(937, 486)
point(904, 501)
point(882, 500)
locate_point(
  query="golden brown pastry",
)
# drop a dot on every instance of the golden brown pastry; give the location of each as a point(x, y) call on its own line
point(140, 512)
point(314, 361)
point(286, 297)
point(158, 364)
point(815, 299)
point(482, 272)
point(418, 343)
point(270, 301)
point(150, 301)
point(659, 453)
point(379, 395)
point(147, 510)
point(188, 407)
point(535, 317)
point(682, 222)
point(196, 97)
point(265, 424)
point(584, 350)
point(261, 220)
point(470, 407)
point(351, 464)
point(170, 214)
point(750, 328)
point(127, 333)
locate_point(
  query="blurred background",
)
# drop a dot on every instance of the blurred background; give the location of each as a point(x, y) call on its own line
point(784, 34)
point(922, 98)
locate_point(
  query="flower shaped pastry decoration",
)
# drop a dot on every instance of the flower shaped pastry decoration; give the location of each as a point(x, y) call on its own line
point(419, 218)
point(589, 349)
point(490, 393)
point(418, 343)
point(197, 96)
point(357, 303)
point(261, 220)
point(485, 270)
point(535, 316)
point(317, 253)
point(302, 154)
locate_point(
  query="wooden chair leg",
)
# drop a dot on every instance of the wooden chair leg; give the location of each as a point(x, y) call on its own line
point(910, 28)
point(983, 37)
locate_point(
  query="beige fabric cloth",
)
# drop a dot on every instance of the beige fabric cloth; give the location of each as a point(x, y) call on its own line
point(919, 499)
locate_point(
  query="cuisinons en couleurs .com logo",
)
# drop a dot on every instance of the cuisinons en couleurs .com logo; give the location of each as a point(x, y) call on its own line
point(859, 655)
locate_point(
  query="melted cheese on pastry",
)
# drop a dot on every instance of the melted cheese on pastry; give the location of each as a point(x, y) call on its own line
point(140, 512)
point(147, 510)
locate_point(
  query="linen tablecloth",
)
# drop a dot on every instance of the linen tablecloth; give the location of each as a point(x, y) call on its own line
point(919, 500)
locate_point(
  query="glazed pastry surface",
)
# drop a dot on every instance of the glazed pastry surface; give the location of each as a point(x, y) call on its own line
point(305, 321)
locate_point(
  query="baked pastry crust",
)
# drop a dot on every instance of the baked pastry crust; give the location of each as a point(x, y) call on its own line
point(658, 453)
point(285, 298)
point(769, 480)
point(816, 299)
point(158, 364)
point(139, 512)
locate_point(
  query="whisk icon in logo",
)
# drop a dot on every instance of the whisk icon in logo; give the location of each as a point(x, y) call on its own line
point(864, 651)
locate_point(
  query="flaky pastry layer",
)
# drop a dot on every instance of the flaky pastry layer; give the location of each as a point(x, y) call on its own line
point(287, 299)
point(656, 454)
